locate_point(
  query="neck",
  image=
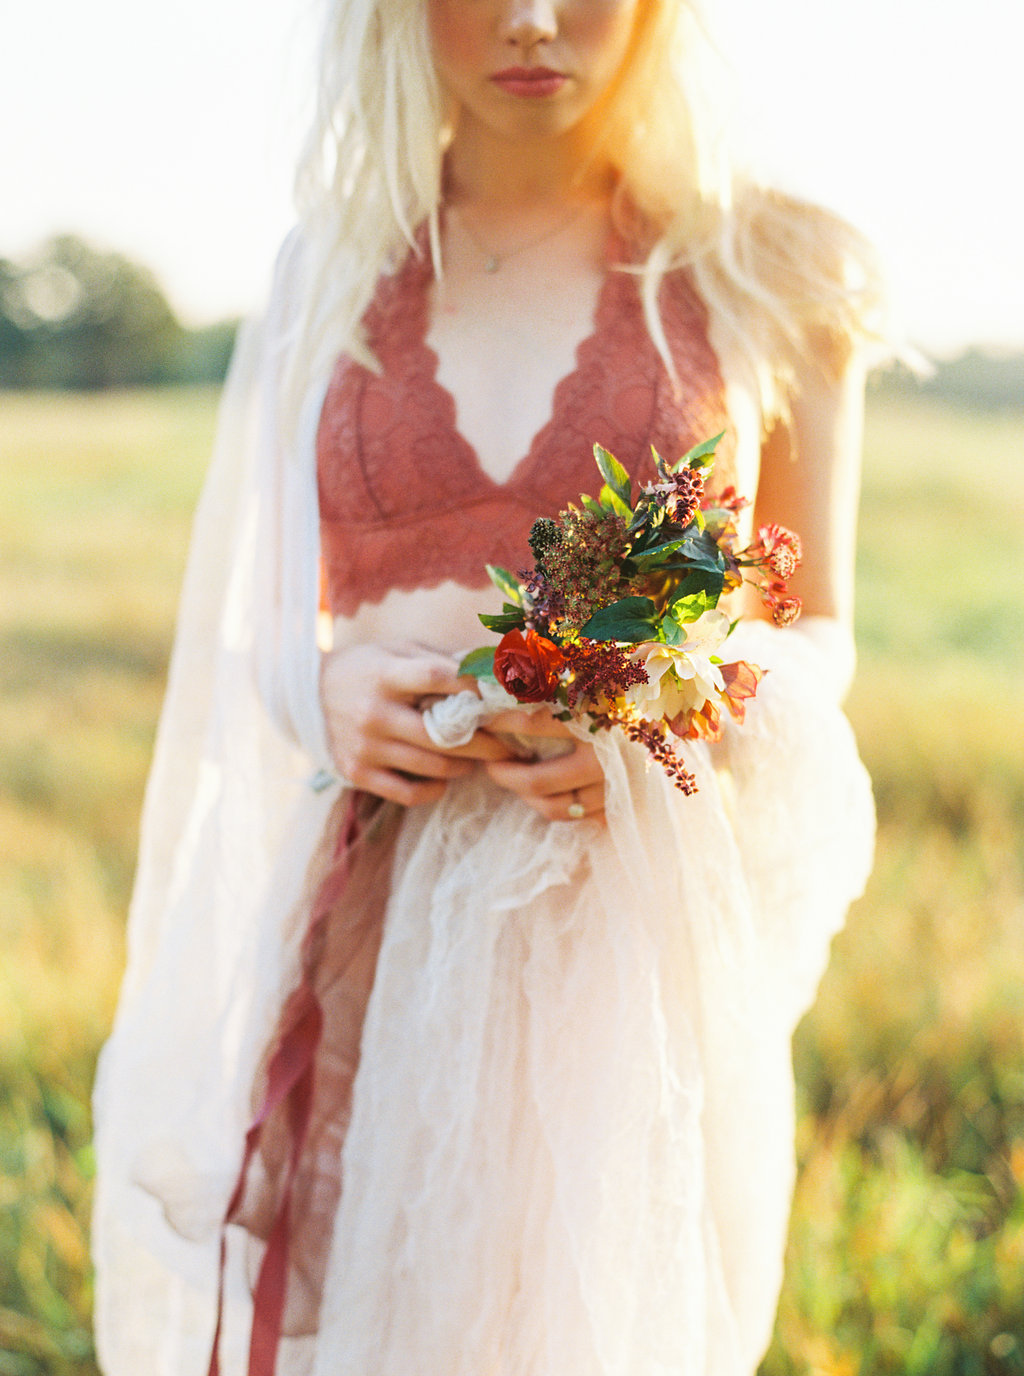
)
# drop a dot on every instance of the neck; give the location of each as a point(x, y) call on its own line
point(484, 170)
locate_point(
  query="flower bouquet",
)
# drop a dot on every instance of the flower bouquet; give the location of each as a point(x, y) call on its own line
point(618, 623)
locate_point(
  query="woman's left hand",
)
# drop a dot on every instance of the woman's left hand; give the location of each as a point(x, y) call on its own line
point(550, 786)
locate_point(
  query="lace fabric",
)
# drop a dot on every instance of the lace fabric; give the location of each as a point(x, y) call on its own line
point(404, 501)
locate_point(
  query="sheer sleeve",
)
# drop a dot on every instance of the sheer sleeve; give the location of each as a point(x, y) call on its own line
point(229, 829)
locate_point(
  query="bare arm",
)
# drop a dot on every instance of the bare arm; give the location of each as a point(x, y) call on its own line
point(810, 481)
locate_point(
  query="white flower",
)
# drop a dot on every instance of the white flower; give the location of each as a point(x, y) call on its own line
point(681, 678)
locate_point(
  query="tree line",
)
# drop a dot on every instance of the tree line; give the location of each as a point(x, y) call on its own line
point(978, 379)
point(74, 316)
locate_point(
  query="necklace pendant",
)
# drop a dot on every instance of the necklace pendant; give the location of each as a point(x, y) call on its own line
point(492, 263)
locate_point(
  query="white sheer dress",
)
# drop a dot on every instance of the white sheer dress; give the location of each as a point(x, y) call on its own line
point(571, 1141)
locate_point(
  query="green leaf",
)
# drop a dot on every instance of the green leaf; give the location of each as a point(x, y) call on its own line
point(700, 551)
point(672, 631)
point(698, 590)
point(699, 452)
point(631, 619)
point(614, 474)
point(611, 501)
point(511, 619)
point(692, 605)
point(478, 663)
point(592, 505)
point(643, 558)
point(506, 583)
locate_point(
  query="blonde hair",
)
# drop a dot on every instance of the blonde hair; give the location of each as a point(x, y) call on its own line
point(778, 275)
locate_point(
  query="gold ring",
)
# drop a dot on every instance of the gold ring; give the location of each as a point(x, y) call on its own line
point(576, 809)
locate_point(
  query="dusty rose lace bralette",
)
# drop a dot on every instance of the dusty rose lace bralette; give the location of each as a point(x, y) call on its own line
point(404, 501)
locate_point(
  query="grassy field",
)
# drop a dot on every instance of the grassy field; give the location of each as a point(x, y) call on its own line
point(907, 1245)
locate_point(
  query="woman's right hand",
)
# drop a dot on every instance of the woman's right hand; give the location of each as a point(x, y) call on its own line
point(371, 696)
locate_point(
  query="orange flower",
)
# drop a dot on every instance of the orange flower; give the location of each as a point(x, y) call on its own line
point(528, 666)
point(700, 723)
point(741, 679)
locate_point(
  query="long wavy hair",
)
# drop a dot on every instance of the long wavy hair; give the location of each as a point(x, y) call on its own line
point(779, 276)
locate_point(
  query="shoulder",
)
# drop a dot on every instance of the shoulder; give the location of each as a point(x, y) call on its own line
point(793, 295)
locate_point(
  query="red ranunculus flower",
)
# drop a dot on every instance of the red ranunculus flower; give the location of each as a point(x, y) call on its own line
point(528, 666)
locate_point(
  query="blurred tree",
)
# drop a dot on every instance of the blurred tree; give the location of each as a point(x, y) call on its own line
point(78, 317)
point(982, 379)
point(978, 379)
point(87, 318)
point(14, 342)
point(202, 355)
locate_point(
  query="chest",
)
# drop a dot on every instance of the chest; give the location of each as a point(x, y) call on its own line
point(503, 344)
point(511, 397)
point(408, 498)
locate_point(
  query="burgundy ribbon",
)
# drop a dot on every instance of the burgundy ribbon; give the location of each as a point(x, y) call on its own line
point(289, 1087)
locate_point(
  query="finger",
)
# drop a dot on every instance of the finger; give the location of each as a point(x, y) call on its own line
point(386, 719)
point(484, 746)
point(425, 764)
point(378, 748)
point(577, 770)
point(540, 723)
point(566, 806)
point(398, 721)
point(398, 789)
point(403, 722)
point(425, 676)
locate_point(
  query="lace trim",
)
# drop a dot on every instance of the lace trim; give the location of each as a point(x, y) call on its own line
point(404, 500)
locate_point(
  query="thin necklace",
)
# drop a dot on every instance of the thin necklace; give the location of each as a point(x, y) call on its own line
point(493, 261)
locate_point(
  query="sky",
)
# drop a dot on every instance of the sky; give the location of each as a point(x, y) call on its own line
point(170, 133)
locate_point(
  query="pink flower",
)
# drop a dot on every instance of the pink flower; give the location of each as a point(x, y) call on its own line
point(781, 549)
point(786, 610)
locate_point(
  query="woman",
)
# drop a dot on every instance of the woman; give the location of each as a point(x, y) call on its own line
point(515, 1031)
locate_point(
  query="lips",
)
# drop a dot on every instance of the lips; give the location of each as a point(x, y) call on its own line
point(530, 83)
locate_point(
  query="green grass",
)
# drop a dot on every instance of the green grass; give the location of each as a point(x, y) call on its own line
point(907, 1244)
point(95, 494)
